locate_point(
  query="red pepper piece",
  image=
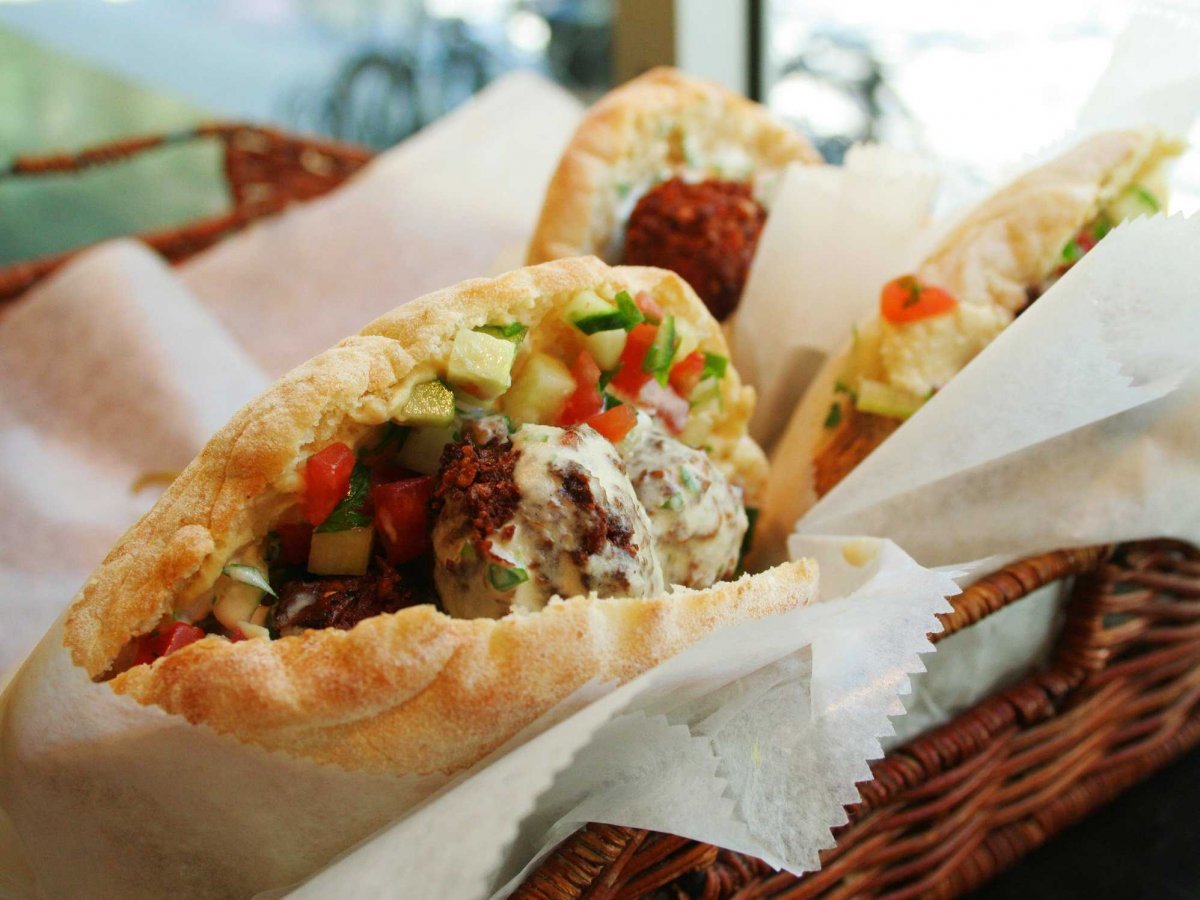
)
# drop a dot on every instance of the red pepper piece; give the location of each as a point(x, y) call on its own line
point(905, 299)
point(686, 373)
point(630, 377)
point(615, 423)
point(586, 401)
point(326, 481)
point(402, 517)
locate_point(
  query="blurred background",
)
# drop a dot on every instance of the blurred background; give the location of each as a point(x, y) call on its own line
point(979, 85)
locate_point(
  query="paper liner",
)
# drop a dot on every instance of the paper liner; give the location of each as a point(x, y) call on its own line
point(751, 740)
point(110, 370)
point(1086, 409)
point(431, 212)
point(800, 299)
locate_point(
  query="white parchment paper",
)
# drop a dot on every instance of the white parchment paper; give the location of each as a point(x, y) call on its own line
point(799, 303)
point(1086, 409)
point(753, 739)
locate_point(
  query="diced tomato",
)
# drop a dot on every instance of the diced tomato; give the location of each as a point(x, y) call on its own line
point(294, 541)
point(615, 423)
point(586, 401)
point(905, 299)
point(237, 635)
point(630, 377)
point(651, 310)
point(402, 517)
point(670, 408)
point(685, 374)
point(176, 635)
point(326, 481)
point(1086, 240)
point(144, 653)
point(167, 640)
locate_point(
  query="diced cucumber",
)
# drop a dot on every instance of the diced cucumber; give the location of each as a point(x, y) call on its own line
point(341, 552)
point(885, 400)
point(254, 632)
point(591, 314)
point(431, 403)
point(541, 389)
point(422, 452)
point(236, 602)
point(1136, 201)
point(606, 347)
point(481, 364)
point(706, 393)
point(687, 339)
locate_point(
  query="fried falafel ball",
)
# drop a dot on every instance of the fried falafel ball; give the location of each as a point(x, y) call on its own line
point(547, 512)
point(705, 231)
point(697, 517)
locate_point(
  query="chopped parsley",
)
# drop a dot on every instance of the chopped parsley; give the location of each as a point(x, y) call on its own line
point(689, 479)
point(675, 502)
point(835, 415)
point(349, 512)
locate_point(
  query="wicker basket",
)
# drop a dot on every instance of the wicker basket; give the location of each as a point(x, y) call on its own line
point(946, 812)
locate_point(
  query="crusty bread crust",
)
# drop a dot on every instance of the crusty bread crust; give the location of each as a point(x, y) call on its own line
point(418, 691)
point(1012, 240)
point(630, 134)
point(414, 691)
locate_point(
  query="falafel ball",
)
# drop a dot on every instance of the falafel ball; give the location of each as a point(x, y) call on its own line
point(548, 512)
point(698, 518)
point(705, 231)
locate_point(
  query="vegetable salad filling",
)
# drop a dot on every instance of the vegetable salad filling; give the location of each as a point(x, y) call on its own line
point(925, 335)
point(535, 466)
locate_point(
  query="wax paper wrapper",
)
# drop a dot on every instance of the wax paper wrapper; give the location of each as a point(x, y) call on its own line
point(1086, 409)
point(752, 739)
point(797, 307)
point(437, 209)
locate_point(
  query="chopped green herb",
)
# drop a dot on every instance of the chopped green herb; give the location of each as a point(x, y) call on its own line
point(505, 578)
point(629, 309)
point(611, 400)
point(840, 387)
point(349, 512)
point(393, 437)
point(468, 552)
point(607, 377)
point(675, 502)
point(513, 331)
point(835, 415)
point(249, 575)
point(714, 366)
point(910, 284)
point(659, 355)
point(1072, 252)
point(689, 479)
point(1147, 198)
point(623, 189)
point(1101, 227)
point(748, 540)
